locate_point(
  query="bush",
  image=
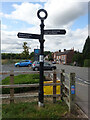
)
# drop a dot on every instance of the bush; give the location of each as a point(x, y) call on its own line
point(21, 79)
point(87, 63)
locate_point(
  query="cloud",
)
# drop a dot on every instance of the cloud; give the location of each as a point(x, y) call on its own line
point(25, 12)
point(62, 12)
point(76, 39)
point(11, 43)
point(3, 27)
point(72, 39)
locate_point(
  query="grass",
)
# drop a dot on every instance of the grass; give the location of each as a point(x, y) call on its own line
point(31, 110)
point(21, 79)
point(10, 61)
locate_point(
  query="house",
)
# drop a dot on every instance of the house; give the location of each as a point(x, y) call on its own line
point(64, 57)
point(54, 54)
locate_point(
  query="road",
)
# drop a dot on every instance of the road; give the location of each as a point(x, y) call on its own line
point(82, 82)
point(10, 67)
point(82, 85)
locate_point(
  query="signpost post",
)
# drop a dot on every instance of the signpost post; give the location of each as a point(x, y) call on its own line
point(41, 40)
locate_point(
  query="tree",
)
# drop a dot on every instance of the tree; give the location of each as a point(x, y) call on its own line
point(46, 53)
point(32, 56)
point(50, 57)
point(86, 49)
point(78, 58)
point(25, 53)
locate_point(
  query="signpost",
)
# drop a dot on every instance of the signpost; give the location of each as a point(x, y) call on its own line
point(54, 32)
point(28, 36)
point(41, 40)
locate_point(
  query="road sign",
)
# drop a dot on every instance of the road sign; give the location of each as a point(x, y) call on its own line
point(28, 36)
point(54, 32)
point(73, 89)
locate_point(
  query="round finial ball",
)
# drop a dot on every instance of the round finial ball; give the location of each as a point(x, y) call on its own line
point(42, 11)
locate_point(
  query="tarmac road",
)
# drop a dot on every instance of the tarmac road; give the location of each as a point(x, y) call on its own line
point(10, 67)
point(82, 85)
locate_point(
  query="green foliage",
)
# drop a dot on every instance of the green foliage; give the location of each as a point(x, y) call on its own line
point(11, 55)
point(86, 49)
point(25, 53)
point(46, 53)
point(31, 110)
point(32, 56)
point(50, 57)
point(87, 63)
point(78, 57)
point(21, 79)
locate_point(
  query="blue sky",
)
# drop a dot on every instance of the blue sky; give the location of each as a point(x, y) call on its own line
point(80, 23)
point(17, 16)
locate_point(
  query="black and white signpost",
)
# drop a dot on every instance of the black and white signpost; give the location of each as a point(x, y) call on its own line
point(41, 40)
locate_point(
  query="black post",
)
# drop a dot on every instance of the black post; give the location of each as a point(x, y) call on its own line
point(41, 57)
point(41, 95)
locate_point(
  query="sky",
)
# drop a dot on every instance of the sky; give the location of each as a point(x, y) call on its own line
point(21, 16)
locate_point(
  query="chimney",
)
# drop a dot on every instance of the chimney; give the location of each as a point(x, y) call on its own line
point(64, 50)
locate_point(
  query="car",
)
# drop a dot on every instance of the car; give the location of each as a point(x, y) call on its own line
point(53, 62)
point(47, 66)
point(24, 63)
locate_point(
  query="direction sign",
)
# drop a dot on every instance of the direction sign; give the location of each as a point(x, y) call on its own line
point(28, 36)
point(54, 32)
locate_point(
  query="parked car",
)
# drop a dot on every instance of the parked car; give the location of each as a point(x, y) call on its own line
point(23, 63)
point(47, 66)
point(53, 62)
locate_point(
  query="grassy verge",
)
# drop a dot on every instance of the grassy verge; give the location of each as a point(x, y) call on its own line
point(31, 110)
point(10, 61)
point(20, 79)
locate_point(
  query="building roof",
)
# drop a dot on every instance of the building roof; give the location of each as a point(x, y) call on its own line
point(64, 53)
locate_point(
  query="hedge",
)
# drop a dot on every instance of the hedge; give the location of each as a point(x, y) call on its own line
point(87, 63)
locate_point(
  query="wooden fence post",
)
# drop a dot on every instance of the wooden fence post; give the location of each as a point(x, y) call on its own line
point(72, 92)
point(11, 89)
point(54, 87)
point(62, 80)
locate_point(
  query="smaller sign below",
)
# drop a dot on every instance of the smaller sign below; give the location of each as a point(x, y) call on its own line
point(41, 58)
point(72, 89)
point(28, 36)
point(55, 32)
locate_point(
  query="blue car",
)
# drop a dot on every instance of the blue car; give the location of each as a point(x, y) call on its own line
point(24, 63)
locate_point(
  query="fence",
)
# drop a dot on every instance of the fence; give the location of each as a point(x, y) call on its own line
point(68, 92)
point(12, 85)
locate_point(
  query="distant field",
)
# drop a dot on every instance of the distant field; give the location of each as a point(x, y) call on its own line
point(9, 61)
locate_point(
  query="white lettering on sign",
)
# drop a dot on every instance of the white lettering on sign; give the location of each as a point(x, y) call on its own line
point(41, 58)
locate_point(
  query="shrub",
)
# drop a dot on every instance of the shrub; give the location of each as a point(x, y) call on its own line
point(87, 63)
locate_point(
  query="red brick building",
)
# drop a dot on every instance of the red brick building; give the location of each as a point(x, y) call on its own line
point(64, 57)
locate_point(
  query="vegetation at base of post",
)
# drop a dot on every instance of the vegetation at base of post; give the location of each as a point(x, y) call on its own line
point(21, 79)
point(31, 110)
